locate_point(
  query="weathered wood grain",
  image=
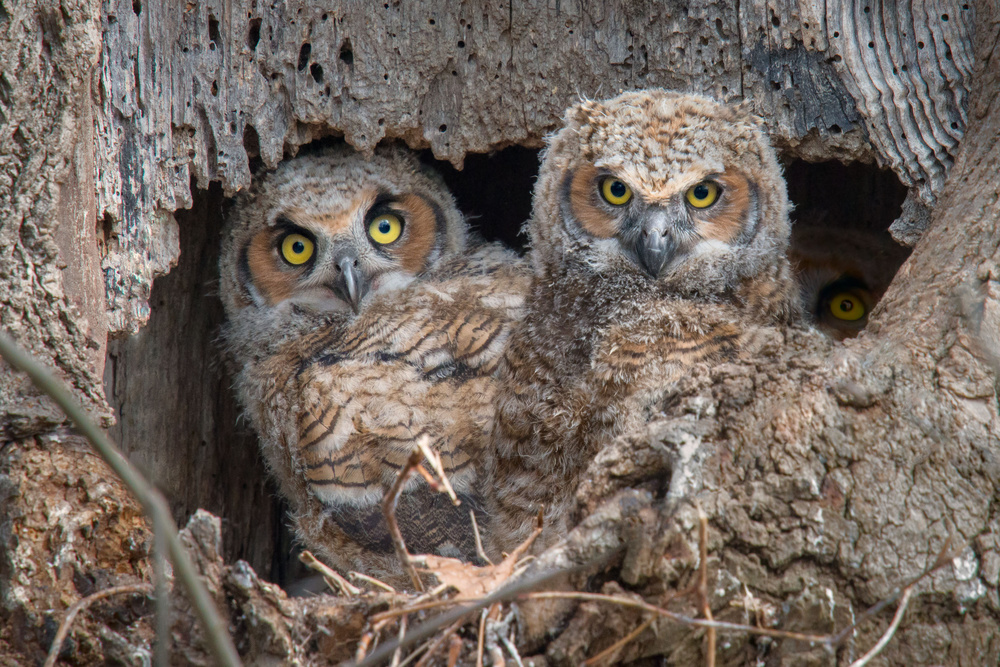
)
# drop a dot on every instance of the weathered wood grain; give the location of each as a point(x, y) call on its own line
point(195, 90)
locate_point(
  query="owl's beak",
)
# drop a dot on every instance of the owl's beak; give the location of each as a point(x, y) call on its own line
point(350, 283)
point(655, 245)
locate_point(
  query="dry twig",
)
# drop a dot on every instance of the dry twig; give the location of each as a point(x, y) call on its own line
point(945, 556)
point(611, 650)
point(389, 512)
point(372, 580)
point(454, 651)
point(402, 635)
point(479, 540)
point(509, 645)
point(680, 618)
point(706, 608)
point(429, 628)
point(481, 637)
point(80, 605)
point(216, 634)
point(431, 594)
point(435, 460)
point(875, 650)
point(367, 638)
point(439, 642)
point(330, 576)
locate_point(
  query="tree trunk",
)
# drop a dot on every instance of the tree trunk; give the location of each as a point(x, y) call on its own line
point(831, 473)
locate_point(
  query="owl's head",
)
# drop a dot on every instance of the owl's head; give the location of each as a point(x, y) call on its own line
point(842, 272)
point(661, 187)
point(327, 232)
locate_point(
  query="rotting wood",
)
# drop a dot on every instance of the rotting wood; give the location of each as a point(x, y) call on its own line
point(193, 91)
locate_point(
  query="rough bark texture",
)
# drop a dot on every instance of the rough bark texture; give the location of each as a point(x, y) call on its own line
point(830, 472)
point(49, 283)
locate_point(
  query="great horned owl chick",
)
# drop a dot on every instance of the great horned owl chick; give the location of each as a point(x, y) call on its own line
point(842, 272)
point(658, 240)
point(362, 319)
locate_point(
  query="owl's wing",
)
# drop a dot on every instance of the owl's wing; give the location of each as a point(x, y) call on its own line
point(408, 368)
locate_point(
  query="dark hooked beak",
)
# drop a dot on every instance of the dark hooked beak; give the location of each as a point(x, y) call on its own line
point(655, 245)
point(350, 283)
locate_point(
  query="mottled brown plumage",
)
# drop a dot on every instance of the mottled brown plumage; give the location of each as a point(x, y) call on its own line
point(348, 357)
point(658, 241)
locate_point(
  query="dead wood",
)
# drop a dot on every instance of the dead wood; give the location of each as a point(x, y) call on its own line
point(831, 475)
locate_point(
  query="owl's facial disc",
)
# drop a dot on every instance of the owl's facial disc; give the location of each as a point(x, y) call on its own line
point(659, 225)
point(334, 257)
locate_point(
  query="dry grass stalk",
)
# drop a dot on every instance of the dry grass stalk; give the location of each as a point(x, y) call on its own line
point(509, 645)
point(674, 616)
point(389, 512)
point(610, 651)
point(706, 608)
point(435, 460)
point(371, 580)
point(454, 650)
point(479, 540)
point(330, 576)
point(439, 642)
point(481, 637)
point(884, 640)
point(67, 623)
point(399, 650)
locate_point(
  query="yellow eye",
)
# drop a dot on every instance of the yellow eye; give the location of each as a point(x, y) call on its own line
point(296, 249)
point(847, 306)
point(703, 194)
point(615, 192)
point(385, 228)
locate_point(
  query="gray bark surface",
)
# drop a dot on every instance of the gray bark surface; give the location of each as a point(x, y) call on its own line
point(830, 472)
point(193, 91)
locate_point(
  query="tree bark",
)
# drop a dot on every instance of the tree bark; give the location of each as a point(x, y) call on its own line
point(830, 472)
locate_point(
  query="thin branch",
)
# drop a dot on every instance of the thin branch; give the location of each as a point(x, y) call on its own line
point(944, 557)
point(389, 511)
point(80, 605)
point(429, 628)
point(454, 651)
point(216, 635)
point(680, 618)
point(481, 638)
point(161, 646)
point(330, 576)
point(706, 608)
point(416, 652)
point(439, 642)
point(402, 611)
point(431, 594)
point(435, 460)
point(589, 662)
point(402, 635)
point(428, 477)
point(875, 650)
point(479, 540)
point(371, 580)
point(509, 645)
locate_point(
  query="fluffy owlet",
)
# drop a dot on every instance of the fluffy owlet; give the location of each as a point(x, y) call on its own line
point(658, 238)
point(842, 273)
point(361, 319)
